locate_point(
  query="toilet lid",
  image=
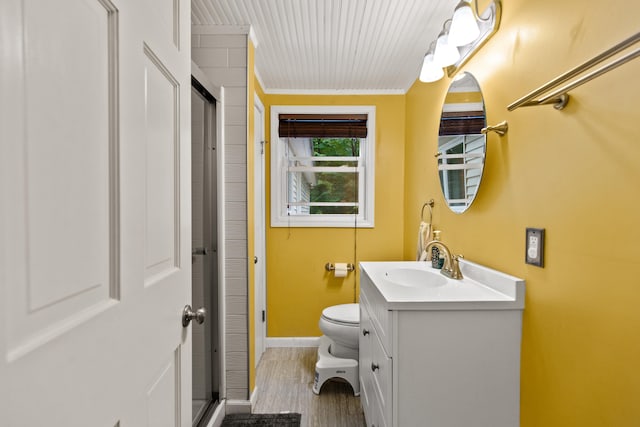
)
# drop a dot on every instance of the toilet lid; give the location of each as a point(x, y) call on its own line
point(343, 313)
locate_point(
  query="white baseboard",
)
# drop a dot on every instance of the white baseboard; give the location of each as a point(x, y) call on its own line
point(293, 342)
point(253, 398)
point(238, 406)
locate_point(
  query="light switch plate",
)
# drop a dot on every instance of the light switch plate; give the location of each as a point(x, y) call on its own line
point(534, 247)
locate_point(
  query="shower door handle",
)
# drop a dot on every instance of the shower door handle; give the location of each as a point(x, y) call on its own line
point(200, 251)
point(188, 315)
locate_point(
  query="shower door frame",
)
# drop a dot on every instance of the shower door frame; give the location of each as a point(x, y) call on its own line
point(211, 219)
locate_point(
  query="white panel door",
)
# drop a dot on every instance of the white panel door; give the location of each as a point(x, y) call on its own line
point(95, 213)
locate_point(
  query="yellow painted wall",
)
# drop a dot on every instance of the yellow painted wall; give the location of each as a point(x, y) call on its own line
point(298, 287)
point(575, 173)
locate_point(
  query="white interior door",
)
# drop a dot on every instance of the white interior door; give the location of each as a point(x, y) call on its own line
point(95, 226)
point(259, 232)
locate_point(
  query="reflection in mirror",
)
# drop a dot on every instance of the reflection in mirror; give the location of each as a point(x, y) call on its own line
point(461, 145)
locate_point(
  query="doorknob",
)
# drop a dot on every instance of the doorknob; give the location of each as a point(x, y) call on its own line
point(188, 315)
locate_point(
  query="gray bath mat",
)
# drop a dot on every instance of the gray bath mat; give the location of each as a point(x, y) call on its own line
point(264, 420)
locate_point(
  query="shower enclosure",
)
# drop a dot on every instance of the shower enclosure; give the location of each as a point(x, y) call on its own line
point(205, 336)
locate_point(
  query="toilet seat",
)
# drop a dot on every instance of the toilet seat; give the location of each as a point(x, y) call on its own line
point(343, 314)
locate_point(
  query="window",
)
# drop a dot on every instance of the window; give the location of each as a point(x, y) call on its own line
point(462, 146)
point(460, 167)
point(322, 166)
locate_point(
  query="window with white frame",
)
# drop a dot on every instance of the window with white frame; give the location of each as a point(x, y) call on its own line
point(322, 166)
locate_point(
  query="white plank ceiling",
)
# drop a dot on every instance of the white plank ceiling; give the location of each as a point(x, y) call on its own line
point(333, 46)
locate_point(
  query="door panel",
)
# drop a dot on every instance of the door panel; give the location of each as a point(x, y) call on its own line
point(168, 11)
point(162, 178)
point(63, 275)
point(163, 390)
point(95, 214)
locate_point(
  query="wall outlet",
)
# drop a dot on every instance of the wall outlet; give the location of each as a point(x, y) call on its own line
point(534, 253)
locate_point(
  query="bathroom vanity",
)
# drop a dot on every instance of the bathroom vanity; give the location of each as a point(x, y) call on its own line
point(436, 351)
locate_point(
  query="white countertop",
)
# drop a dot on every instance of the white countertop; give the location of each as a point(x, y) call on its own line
point(481, 288)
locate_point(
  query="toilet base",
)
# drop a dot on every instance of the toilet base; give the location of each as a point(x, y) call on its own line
point(328, 366)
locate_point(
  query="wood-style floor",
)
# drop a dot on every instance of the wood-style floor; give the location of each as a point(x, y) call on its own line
point(284, 379)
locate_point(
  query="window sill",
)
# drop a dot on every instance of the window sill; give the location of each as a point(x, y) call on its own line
point(299, 222)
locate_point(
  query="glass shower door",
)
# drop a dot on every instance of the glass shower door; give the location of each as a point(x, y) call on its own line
point(204, 255)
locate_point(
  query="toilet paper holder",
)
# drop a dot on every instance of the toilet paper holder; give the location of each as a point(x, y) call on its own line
point(330, 267)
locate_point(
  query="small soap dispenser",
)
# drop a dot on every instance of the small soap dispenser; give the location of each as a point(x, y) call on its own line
point(441, 260)
point(435, 252)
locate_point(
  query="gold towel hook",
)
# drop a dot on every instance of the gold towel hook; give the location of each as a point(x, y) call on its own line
point(501, 128)
point(430, 203)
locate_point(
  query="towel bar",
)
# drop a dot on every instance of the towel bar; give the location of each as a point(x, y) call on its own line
point(559, 97)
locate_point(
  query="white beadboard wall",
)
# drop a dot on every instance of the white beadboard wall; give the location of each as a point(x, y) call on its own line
point(223, 59)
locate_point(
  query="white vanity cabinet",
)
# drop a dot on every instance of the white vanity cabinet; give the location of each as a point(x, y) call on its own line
point(426, 360)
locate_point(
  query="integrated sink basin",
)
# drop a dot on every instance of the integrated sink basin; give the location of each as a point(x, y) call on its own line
point(416, 278)
point(416, 285)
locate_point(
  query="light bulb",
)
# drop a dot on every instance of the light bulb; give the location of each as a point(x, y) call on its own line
point(464, 26)
point(445, 54)
point(430, 72)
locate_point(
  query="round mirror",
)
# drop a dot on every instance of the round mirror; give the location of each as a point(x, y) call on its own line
point(461, 144)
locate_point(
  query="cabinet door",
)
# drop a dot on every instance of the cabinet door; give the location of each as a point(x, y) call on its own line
point(366, 386)
point(381, 372)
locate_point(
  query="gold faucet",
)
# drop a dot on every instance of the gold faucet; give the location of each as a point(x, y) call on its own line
point(451, 267)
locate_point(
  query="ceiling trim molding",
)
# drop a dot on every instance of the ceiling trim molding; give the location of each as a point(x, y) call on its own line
point(334, 91)
point(253, 37)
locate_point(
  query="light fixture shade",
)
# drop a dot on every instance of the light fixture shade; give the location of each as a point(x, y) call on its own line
point(430, 72)
point(464, 25)
point(445, 54)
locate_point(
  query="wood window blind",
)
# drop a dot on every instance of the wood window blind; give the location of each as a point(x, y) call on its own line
point(322, 125)
point(461, 123)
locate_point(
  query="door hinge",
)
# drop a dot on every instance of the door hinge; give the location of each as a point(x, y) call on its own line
point(264, 315)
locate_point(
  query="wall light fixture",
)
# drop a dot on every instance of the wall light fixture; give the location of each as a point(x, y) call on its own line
point(460, 38)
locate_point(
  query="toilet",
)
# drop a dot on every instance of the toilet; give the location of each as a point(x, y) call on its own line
point(338, 349)
point(341, 324)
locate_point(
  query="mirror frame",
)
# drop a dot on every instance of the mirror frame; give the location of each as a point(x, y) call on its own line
point(469, 126)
